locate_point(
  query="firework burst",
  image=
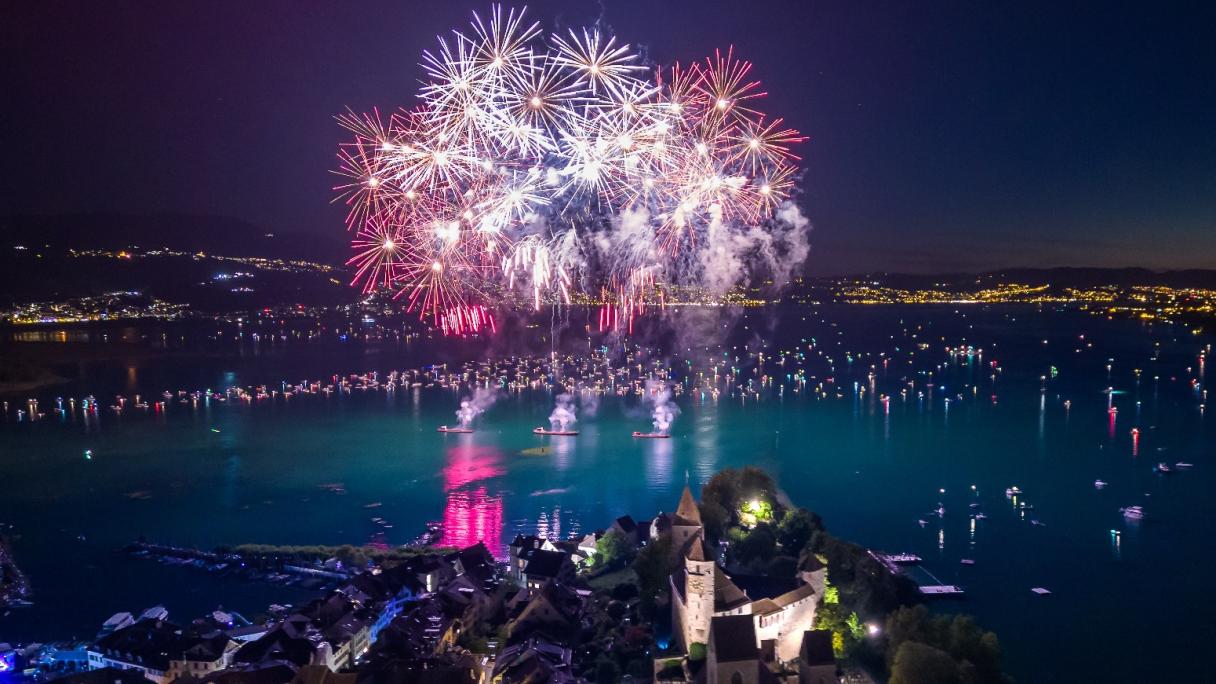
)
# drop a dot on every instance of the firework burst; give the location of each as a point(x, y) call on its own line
point(546, 165)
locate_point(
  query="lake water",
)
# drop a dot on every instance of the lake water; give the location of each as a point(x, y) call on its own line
point(1122, 605)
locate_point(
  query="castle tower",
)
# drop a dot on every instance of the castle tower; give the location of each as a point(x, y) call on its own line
point(685, 524)
point(699, 591)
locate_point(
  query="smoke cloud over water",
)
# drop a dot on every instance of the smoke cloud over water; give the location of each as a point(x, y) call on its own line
point(564, 415)
point(663, 410)
point(483, 398)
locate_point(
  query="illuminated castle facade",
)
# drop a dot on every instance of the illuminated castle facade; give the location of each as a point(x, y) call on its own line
point(781, 608)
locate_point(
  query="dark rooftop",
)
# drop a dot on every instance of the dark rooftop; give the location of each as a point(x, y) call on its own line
point(733, 638)
point(545, 564)
point(817, 648)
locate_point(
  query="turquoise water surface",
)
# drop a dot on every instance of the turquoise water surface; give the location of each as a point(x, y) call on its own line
point(305, 470)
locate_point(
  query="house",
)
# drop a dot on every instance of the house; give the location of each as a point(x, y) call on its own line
point(295, 642)
point(732, 657)
point(342, 623)
point(206, 655)
point(626, 527)
point(160, 651)
point(476, 563)
point(388, 667)
point(519, 552)
point(535, 659)
point(386, 591)
point(544, 566)
point(104, 675)
point(587, 545)
point(553, 608)
point(469, 600)
point(264, 673)
point(816, 659)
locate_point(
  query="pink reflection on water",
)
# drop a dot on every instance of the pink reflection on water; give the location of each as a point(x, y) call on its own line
point(472, 514)
point(471, 517)
point(468, 464)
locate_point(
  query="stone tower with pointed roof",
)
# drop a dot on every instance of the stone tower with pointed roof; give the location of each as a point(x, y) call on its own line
point(693, 587)
point(699, 584)
point(685, 524)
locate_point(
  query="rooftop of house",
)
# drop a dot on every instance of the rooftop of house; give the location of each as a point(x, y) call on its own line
point(545, 564)
point(817, 648)
point(733, 638)
point(105, 675)
point(284, 643)
point(153, 643)
point(275, 672)
point(626, 524)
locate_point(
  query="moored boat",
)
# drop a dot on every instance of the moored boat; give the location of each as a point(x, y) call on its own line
point(460, 430)
point(651, 435)
point(1132, 512)
point(554, 433)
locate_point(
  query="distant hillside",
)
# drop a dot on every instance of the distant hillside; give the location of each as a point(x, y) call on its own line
point(1061, 277)
point(187, 232)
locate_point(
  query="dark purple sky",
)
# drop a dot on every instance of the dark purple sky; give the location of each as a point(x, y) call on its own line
point(944, 135)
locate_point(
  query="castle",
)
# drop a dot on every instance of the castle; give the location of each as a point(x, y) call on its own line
point(782, 609)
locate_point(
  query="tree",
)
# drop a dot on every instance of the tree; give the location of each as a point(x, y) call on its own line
point(759, 546)
point(610, 548)
point(917, 663)
point(696, 651)
point(653, 565)
point(795, 530)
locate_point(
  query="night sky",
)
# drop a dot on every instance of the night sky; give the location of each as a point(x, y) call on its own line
point(944, 136)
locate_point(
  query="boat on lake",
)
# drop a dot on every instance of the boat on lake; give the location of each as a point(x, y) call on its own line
point(1132, 512)
point(1184, 466)
point(651, 435)
point(460, 430)
point(554, 433)
point(1164, 468)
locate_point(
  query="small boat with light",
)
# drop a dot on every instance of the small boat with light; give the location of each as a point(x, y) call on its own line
point(1164, 468)
point(1184, 466)
point(457, 429)
point(1099, 484)
point(1132, 512)
point(1012, 491)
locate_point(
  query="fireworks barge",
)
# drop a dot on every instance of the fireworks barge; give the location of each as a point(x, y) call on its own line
point(457, 430)
point(555, 433)
point(651, 435)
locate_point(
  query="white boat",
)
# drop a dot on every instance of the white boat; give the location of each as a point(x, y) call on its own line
point(1132, 512)
point(1184, 466)
point(1099, 484)
point(1164, 468)
point(1011, 491)
point(651, 435)
point(555, 433)
point(460, 430)
point(1040, 591)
